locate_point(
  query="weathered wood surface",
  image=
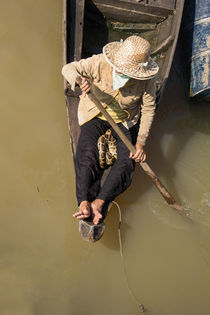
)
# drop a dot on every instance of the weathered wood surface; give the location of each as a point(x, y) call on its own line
point(79, 21)
point(73, 20)
point(64, 37)
point(74, 129)
point(164, 45)
point(134, 27)
point(132, 11)
point(167, 4)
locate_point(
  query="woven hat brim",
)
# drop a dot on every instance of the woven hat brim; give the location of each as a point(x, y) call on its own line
point(149, 71)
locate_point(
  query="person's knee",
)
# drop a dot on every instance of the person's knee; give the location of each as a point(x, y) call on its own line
point(87, 161)
point(127, 164)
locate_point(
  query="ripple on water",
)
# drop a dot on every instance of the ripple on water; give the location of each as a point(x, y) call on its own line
point(199, 214)
point(167, 215)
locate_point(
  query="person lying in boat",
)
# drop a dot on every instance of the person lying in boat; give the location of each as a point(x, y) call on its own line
point(123, 80)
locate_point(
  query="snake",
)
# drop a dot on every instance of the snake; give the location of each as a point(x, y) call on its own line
point(107, 149)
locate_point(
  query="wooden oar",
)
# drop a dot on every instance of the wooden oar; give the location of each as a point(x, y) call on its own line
point(162, 189)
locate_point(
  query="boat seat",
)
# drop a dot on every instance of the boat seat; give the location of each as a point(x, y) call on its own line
point(136, 11)
point(164, 4)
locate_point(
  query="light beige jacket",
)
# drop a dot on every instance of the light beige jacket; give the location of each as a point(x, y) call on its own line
point(136, 95)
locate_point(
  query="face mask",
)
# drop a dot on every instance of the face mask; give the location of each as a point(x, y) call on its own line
point(119, 80)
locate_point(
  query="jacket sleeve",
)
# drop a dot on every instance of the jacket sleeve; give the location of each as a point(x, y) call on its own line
point(147, 110)
point(84, 67)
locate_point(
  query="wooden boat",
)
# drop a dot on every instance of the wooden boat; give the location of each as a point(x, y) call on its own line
point(196, 33)
point(89, 24)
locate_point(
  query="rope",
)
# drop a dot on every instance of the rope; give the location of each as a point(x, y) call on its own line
point(139, 305)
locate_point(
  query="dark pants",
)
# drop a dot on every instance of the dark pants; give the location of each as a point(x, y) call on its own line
point(88, 170)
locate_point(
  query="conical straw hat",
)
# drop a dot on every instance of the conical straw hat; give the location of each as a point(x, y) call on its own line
point(132, 58)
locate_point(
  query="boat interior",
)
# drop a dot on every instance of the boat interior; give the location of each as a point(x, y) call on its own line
point(104, 21)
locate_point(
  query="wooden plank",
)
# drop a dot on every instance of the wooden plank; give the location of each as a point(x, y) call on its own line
point(70, 29)
point(134, 6)
point(163, 46)
point(175, 26)
point(134, 27)
point(118, 13)
point(64, 33)
point(74, 129)
point(71, 44)
point(64, 36)
point(79, 21)
point(166, 4)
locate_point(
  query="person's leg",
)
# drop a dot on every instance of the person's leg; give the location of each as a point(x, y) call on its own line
point(88, 171)
point(121, 173)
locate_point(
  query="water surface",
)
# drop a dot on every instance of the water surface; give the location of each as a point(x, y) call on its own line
point(45, 266)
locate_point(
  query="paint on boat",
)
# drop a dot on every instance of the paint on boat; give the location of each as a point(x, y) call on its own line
point(197, 36)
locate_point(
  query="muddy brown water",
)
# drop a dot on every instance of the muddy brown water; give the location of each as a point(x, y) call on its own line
point(45, 267)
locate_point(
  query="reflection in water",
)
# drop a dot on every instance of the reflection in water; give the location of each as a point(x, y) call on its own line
point(45, 266)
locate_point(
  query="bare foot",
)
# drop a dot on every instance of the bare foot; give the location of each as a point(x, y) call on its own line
point(96, 207)
point(84, 212)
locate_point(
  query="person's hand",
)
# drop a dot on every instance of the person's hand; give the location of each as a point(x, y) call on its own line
point(84, 85)
point(140, 155)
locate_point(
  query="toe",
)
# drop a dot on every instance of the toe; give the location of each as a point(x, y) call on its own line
point(86, 212)
point(76, 214)
point(97, 218)
point(83, 216)
point(96, 221)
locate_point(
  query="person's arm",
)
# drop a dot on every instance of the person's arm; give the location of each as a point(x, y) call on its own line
point(147, 115)
point(147, 111)
point(84, 68)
